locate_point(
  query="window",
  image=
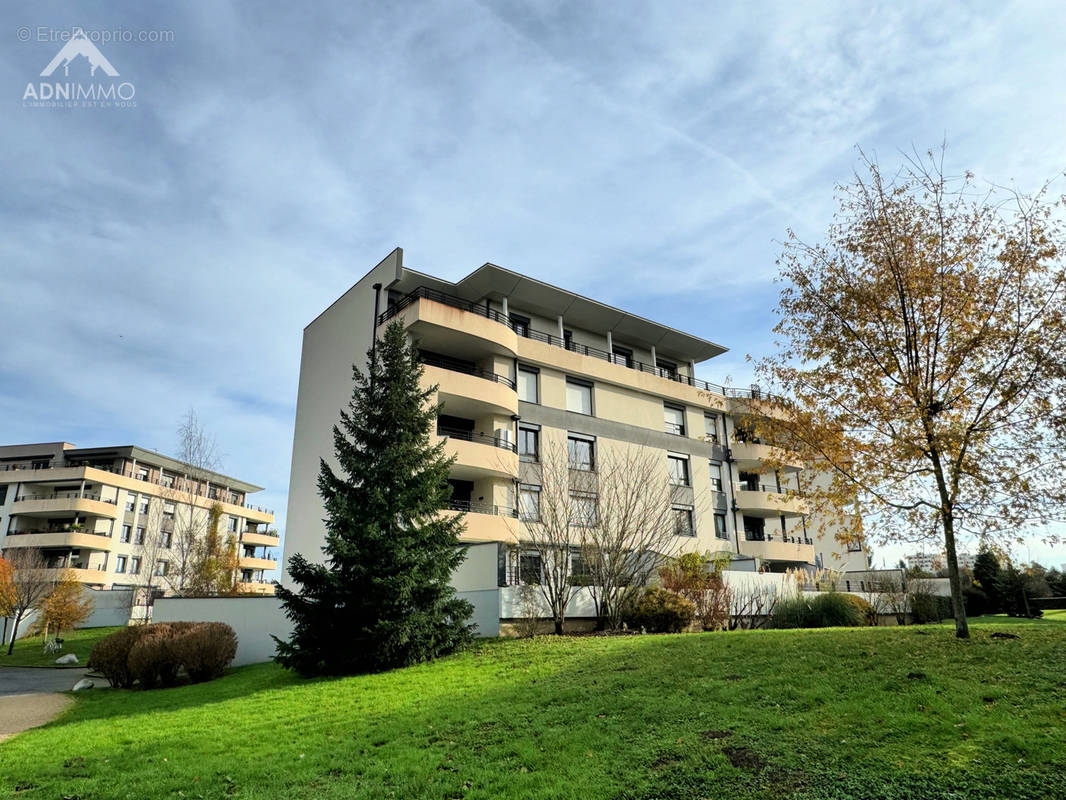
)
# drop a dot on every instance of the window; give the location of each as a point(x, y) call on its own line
point(527, 384)
point(161, 568)
point(854, 545)
point(520, 324)
point(529, 502)
point(667, 369)
point(131, 501)
point(165, 537)
point(568, 339)
point(582, 452)
point(582, 509)
point(716, 476)
point(580, 570)
point(529, 442)
point(678, 466)
point(754, 529)
point(138, 537)
point(235, 498)
point(622, 355)
point(578, 396)
point(246, 575)
point(144, 506)
point(674, 419)
point(529, 567)
point(719, 526)
point(232, 525)
point(168, 513)
point(683, 521)
point(166, 481)
point(710, 427)
point(127, 530)
point(3, 494)
point(249, 551)
point(142, 474)
point(135, 565)
point(120, 564)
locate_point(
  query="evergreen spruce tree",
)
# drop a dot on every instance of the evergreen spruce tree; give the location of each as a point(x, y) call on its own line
point(382, 599)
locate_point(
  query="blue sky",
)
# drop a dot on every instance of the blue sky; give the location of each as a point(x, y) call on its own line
point(168, 255)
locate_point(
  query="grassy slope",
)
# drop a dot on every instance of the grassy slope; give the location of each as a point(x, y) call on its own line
point(863, 713)
point(29, 652)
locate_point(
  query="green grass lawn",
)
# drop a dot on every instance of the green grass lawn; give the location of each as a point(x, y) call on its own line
point(29, 652)
point(859, 713)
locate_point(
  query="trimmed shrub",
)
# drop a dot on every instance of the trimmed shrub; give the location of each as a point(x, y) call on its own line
point(661, 611)
point(826, 610)
point(977, 602)
point(206, 650)
point(152, 661)
point(110, 656)
point(154, 655)
point(926, 608)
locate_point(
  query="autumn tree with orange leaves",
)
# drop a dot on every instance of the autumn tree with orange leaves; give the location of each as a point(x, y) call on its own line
point(922, 359)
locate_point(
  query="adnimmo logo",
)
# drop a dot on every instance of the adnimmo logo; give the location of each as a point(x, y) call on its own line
point(67, 91)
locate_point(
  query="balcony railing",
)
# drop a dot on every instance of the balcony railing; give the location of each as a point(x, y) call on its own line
point(484, 310)
point(768, 487)
point(454, 366)
point(478, 438)
point(751, 536)
point(472, 507)
point(103, 534)
point(65, 496)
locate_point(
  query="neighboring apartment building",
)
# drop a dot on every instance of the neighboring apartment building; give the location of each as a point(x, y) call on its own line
point(926, 562)
point(106, 512)
point(519, 363)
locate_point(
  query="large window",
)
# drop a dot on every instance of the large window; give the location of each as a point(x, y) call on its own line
point(582, 452)
point(719, 526)
point(127, 531)
point(529, 442)
point(166, 538)
point(120, 564)
point(161, 568)
point(674, 419)
point(520, 324)
point(683, 521)
point(622, 355)
point(529, 567)
point(529, 502)
point(527, 384)
point(131, 501)
point(678, 466)
point(710, 427)
point(716, 476)
point(667, 369)
point(138, 536)
point(135, 565)
point(754, 529)
point(583, 509)
point(578, 396)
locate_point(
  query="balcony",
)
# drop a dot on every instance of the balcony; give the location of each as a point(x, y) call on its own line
point(481, 317)
point(81, 574)
point(486, 523)
point(252, 587)
point(63, 502)
point(446, 323)
point(777, 548)
point(260, 538)
point(480, 455)
point(79, 540)
point(474, 393)
point(766, 500)
point(251, 562)
point(753, 454)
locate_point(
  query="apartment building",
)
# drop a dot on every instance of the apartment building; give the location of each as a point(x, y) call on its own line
point(114, 515)
point(519, 364)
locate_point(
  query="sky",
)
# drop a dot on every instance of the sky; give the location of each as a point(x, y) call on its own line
point(166, 255)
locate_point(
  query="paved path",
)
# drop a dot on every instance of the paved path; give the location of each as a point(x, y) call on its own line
point(29, 697)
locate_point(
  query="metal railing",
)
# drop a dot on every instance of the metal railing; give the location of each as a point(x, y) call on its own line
point(484, 310)
point(65, 496)
point(473, 507)
point(768, 487)
point(454, 366)
point(104, 534)
point(478, 438)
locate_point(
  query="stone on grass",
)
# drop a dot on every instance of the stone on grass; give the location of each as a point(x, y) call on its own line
point(69, 658)
point(84, 683)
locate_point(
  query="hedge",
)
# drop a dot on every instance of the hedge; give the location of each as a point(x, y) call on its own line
point(155, 655)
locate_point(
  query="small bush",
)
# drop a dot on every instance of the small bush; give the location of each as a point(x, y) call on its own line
point(205, 650)
point(826, 610)
point(661, 611)
point(927, 608)
point(977, 602)
point(867, 613)
point(154, 655)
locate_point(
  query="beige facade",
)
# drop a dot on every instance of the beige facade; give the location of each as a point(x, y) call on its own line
point(510, 356)
point(115, 515)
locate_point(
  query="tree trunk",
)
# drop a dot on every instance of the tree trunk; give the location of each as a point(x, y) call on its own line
point(558, 625)
point(14, 632)
point(962, 630)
